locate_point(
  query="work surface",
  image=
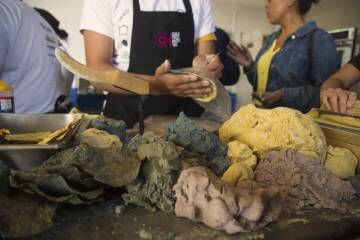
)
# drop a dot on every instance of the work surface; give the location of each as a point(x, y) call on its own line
point(101, 221)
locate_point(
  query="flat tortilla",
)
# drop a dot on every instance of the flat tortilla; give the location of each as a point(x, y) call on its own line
point(62, 133)
point(3, 133)
point(204, 75)
point(212, 95)
point(27, 137)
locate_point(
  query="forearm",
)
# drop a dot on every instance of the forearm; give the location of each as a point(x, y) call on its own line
point(205, 48)
point(230, 77)
point(154, 88)
point(332, 82)
point(99, 52)
point(344, 78)
point(251, 74)
point(231, 72)
point(105, 87)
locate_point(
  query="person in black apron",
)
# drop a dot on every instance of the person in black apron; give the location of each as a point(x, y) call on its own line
point(146, 56)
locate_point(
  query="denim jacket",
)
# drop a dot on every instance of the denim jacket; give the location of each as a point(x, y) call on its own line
point(307, 58)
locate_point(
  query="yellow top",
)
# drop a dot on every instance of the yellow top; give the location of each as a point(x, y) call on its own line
point(4, 86)
point(264, 67)
point(208, 37)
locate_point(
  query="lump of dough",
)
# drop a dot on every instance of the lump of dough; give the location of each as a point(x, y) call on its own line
point(313, 113)
point(100, 139)
point(303, 181)
point(202, 197)
point(241, 153)
point(341, 161)
point(237, 172)
point(263, 129)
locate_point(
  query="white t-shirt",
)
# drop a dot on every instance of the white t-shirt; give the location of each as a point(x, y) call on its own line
point(114, 18)
point(27, 58)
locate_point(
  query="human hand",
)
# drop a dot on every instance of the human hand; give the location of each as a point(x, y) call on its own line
point(211, 62)
point(240, 54)
point(337, 100)
point(271, 99)
point(166, 83)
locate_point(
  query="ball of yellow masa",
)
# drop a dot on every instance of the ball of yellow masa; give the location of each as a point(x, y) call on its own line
point(239, 152)
point(237, 172)
point(341, 161)
point(263, 130)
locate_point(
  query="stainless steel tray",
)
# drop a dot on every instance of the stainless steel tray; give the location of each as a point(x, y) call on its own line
point(27, 156)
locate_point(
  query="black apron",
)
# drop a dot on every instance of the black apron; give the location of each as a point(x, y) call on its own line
point(157, 36)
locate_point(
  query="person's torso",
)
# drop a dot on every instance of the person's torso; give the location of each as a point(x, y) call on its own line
point(157, 36)
point(123, 21)
point(161, 35)
point(292, 65)
point(263, 68)
point(31, 66)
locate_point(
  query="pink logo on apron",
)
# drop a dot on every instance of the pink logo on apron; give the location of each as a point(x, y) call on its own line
point(165, 40)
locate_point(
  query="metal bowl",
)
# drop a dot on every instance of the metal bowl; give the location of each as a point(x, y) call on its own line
point(27, 156)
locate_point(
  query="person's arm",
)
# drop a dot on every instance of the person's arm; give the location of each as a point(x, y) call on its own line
point(231, 71)
point(344, 78)
point(97, 27)
point(325, 62)
point(206, 57)
point(205, 40)
point(4, 42)
point(205, 48)
point(333, 97)
point(99, 52)
point(242, 56)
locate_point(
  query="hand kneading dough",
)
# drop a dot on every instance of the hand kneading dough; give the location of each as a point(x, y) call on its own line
point(263, 129)
point(241, 153)
point(341, 161)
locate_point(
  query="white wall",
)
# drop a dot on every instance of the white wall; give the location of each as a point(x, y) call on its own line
point(334, 14)
point(68, 12)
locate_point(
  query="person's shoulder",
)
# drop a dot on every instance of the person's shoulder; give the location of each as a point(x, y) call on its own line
point(317, 31)
point(10, 4)
point(321, 36)
point(11, 9)
point(320, 32)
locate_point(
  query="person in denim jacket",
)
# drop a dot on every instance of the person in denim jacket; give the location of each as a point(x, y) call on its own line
point(299, 58)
